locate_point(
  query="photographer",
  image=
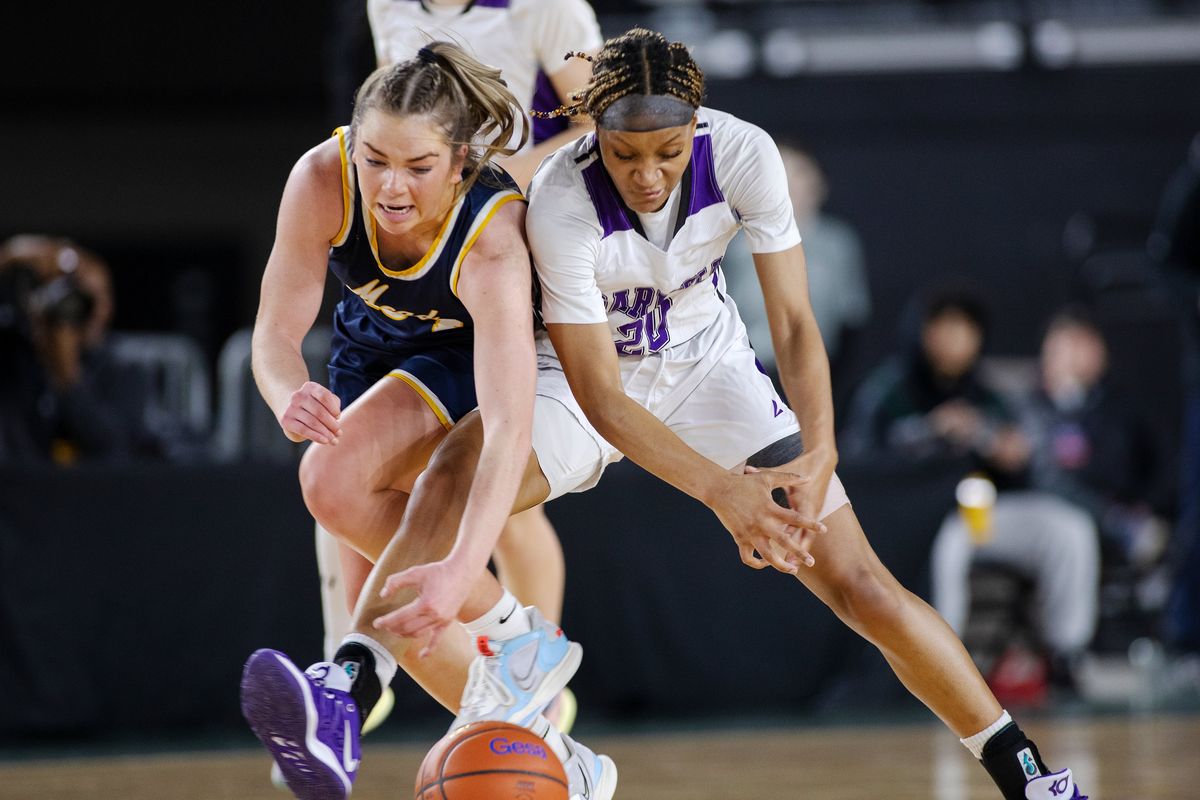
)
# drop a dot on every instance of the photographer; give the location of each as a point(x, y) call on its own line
point(62, 399)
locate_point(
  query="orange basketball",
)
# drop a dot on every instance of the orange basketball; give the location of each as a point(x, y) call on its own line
point(491, 761)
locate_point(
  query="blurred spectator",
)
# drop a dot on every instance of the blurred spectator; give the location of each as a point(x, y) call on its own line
point(1175, 247)
point(837, 277)
point(62, 398)
point(1091, 446)
point(929, 401)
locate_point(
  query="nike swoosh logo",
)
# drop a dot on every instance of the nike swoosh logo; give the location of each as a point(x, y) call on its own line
point(507, 616)
point(526, 681)
point(348, 759)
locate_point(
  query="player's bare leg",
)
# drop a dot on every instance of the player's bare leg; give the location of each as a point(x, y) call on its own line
point(926, 656)
point(918, 644)
point(358, 488)
point(529, 562)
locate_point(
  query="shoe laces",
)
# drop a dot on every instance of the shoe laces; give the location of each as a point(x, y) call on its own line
point(485, 690)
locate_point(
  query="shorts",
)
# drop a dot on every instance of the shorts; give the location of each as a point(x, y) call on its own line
point(709, 390)
point(443, 376)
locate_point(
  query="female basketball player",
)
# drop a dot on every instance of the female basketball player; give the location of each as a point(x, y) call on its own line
point(435, 314)
point(628, 229)
point(525, 40)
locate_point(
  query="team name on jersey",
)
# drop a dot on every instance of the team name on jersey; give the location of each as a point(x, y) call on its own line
point(372, 291)
point(647, 308)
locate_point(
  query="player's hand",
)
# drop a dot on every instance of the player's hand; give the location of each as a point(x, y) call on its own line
point(312, 414)
point(441, 587)
point(759, 525)
point(809, 498)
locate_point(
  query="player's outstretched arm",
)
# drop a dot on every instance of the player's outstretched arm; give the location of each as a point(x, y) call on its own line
point(310, 215)
point(742, 502)
point(803, 369)
point(495, 286)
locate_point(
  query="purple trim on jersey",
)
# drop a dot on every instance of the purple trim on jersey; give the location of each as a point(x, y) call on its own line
point(705, 191)
point(609, 208)
point(545, 99)
point(491, 3)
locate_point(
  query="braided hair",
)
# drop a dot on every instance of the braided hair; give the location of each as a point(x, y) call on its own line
point(641, 62)
point(467, 100)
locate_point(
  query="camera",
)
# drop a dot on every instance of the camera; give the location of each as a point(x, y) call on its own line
point(25, 300)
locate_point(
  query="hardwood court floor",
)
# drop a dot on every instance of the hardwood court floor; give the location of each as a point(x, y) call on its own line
point(1132, 758)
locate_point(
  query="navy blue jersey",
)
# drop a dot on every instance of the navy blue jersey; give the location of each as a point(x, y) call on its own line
point(408, 324)
point(408, 310)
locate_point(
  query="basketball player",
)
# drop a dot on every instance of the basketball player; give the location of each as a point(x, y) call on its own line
point(650, 360)
point(525, 40)
point(435, 320)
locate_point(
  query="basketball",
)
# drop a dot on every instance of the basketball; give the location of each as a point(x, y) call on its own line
point(491, 761)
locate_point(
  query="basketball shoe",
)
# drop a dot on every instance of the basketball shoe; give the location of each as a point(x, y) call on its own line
point(381, 711)
point(307, 720)
point(589, 776)
point(513, 680)
point(1055, 786)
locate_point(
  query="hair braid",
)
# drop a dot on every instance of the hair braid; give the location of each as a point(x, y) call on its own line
point(638, 61)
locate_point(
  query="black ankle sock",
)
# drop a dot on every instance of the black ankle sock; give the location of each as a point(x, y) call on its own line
point(359, 663)
point(1012, 760)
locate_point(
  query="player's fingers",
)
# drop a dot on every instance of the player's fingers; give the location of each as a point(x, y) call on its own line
point(746, 551)
point(794, 519)
point(304, 426)
point(398, 580)
point(321, 414)
point(435, 633)
point(776, 556)
point(329, 400)
point(408, 622)
point(783, 480)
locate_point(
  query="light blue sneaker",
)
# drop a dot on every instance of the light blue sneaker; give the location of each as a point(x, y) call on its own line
point(589, 776)
point(307, 720)
point(512, 681)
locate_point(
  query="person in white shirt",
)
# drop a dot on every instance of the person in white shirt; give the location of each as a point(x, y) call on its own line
point(527, 40)
point(650, 361)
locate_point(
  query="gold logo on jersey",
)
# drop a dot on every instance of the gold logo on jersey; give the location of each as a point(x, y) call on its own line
point(370, 294)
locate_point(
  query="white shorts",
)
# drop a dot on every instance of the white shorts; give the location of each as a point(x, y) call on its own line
point(709, 391)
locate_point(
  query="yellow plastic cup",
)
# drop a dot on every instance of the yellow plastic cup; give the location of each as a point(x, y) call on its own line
point(976, 495)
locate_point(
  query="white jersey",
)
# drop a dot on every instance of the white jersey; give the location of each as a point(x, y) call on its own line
point(525, 39)
point(594, 259)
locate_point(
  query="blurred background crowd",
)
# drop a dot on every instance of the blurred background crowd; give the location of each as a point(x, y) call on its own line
point(1000, 204)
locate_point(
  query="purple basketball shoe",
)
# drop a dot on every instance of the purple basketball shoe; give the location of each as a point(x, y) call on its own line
point(1055, 786)
point(307, 720)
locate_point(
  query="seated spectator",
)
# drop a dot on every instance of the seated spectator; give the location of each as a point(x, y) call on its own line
point(929, 402)
point(62, 399)
point(1091, 446)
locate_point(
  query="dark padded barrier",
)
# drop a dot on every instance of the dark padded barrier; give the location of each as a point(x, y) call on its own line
point(131, 596)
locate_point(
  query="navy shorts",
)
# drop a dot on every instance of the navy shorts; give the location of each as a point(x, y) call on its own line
point(444, 376)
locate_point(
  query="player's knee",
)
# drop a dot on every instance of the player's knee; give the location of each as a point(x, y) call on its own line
point(866, 600)
point(319, 485)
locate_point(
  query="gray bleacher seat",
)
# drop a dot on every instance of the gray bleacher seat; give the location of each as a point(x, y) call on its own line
point(178, 408)
point(246, 429)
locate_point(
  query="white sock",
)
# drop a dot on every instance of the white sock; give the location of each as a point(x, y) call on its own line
point(385, 662)
point(542, 727)
point(975, 743)
point(506, 620)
